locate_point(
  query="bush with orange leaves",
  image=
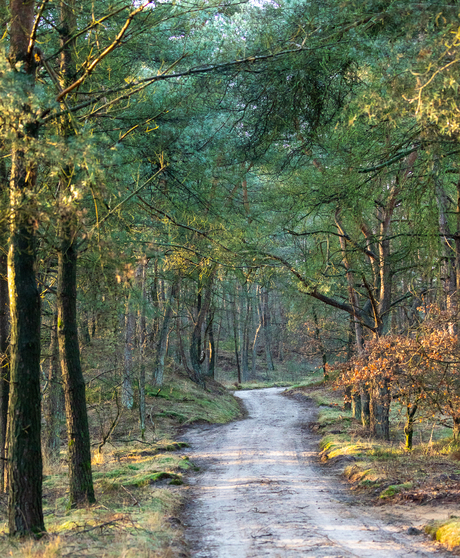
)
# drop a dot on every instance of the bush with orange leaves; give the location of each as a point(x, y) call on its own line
point(421, 369)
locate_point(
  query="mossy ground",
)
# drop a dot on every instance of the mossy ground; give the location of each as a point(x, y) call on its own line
point(385, 471)
point(445, 532)
point(137, 482)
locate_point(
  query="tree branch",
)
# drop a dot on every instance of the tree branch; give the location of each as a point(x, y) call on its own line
point(104, 53)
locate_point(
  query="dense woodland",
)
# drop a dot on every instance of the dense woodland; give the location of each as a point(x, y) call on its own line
point(206, 186)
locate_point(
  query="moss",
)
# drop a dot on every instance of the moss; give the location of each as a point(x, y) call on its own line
point(172, 446)
point(393, 489)
point(150, 478)
point(445, 532)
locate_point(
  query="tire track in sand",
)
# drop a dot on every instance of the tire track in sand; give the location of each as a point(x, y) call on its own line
point(261, 495)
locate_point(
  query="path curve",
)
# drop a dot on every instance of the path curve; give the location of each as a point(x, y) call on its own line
point(262, 495)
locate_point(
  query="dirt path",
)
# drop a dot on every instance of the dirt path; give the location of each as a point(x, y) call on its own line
point(261, 494)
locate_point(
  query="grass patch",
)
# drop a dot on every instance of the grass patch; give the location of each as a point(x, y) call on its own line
point(132, 514)
point(445, 532)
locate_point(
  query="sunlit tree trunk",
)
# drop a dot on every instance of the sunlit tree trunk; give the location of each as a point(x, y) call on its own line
point(4, 360)
point(4, 322)
point(25, 514)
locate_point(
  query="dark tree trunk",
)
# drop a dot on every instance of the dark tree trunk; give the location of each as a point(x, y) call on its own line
point(380, 410)
point(356, 405)
point(195, 343)
point(81, 491)
point(53, 404)
point(25, 514)
point(365, 407)
point(456, 432)
point(409, 427)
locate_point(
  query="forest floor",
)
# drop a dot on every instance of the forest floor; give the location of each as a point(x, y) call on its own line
point(138, 483)
point(264, 493)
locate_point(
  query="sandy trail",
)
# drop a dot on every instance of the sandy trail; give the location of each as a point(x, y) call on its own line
point(261, 494)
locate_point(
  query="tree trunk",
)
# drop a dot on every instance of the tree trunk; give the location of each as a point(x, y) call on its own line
point(266, 327)
point(195, 342)
point(4, 362)
point(127, 391)
point(162, 345)
point(380, 410)
point(25, 513)
point(81, 491)
point(321, 346)
point(365, 407)
point(281, 330)
point(254, 350)
point(356, 408)
point(142, 343)
point(235, 338)
point(245, 342)
point(154, 296)
point(212, 349)
point(409, 427)
point(456, 431)
point(53, 403)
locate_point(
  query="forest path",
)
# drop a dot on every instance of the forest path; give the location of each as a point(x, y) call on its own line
point(262, 495)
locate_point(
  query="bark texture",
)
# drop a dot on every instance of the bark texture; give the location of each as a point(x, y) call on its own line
point(81, 491)
point(25, 514)
point(4, 363)
point(53, 404)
